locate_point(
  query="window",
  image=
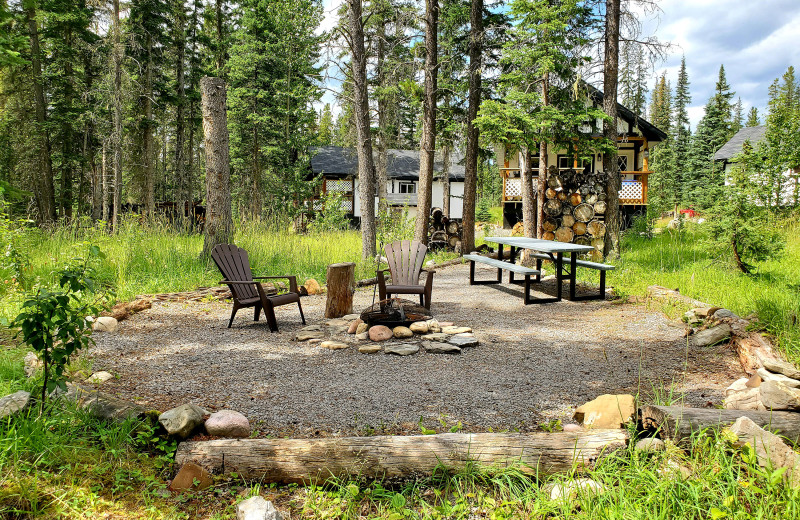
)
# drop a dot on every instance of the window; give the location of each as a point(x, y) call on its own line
point(535, 165)
point(622, 162)
point(565, 162)
point(406, 187)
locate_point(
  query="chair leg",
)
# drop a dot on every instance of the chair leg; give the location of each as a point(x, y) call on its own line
point(256, 312)
point(233, 314)
point(302, 318)
point(272, 321)
point(422, 300)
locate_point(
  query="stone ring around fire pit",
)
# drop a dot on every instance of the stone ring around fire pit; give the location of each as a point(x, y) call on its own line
point(394, 312)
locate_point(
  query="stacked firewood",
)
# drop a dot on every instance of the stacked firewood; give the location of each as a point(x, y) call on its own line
point(575, 207)
point(443, 233)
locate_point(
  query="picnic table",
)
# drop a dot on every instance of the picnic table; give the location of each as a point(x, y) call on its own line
point(544, 250)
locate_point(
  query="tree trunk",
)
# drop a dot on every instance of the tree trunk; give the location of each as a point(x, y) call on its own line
point(677, 423)
point(382, 102)
point(397, 456)
point(446, 180)
point(341, 283)
point(474, 100)
point(117, 56)
point(366, 167)
point(105, 187)
point(610, 78)
point(182, 199)
point(543, 166)
point(148, 144)
point(219, 226)
point(68, 144)
point(45, 190)
point(428, 141)
point(529, 220)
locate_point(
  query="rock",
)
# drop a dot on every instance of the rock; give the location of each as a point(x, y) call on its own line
point(361, 328)
point(434, 326)
point(228, 423)
point(350, 317)
point(777, 396)
point(181, 421)
point(674, 224)
point(436, 336)
point(692, 318)
point(32, 364)
point(712, 336)
point(311, 328)
point(363, 336)
point(463, 340)
point(312, 286)
point(572, 428)
point(337, 323)
point(455, 330)
point(766, 375)
point(747, 399)
point(305, 335)
point(606, 411)
point(98, 378)
point(102, 405)
point(354, 326)
point(672, 469)
point(650, 445)
point(403, 349)
point(380, 333)
point(778, 367)
point(256, 508)
point(739, 385)
point(724, 314)
point(771, 452)
point(754, 381)
point(419, 327)
point(185, 479)
point(444, 323)
point(369, 349)
point(314, 341)
point(333, 345)
point(436, 347)
point(569, 490)
point(430, 263)
point(14, 403)
point(402, 332)
point(105, 324)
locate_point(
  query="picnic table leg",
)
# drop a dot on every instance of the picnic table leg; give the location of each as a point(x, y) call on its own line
point(513, 257)
point(471, 272)
point(559, 274)
point(500, 257)
point(539, 268)
point(573, 267)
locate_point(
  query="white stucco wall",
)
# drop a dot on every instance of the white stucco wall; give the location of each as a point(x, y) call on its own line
point(456, 198)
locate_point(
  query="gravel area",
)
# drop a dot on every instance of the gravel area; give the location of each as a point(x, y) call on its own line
point(534, 363)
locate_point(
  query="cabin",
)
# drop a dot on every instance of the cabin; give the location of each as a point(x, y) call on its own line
point(339, 170)
point(726, 156)
point(636, 138)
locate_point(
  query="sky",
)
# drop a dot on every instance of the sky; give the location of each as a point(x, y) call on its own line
point(756, 40)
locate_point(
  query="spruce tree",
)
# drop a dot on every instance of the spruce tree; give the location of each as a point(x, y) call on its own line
point(682, 133)
point(737, 121)
point(752, 117)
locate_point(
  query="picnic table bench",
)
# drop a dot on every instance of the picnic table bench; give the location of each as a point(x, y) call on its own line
point(503, 266)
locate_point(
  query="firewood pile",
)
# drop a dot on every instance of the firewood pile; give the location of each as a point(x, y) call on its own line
point(575, 207)
point(443, 233)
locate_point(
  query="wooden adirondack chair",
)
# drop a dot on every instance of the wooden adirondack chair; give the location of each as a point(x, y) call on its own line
point(234, 264)
point(405, 260)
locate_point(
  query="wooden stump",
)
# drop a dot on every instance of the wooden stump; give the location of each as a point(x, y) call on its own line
point(341, 286)
point(564, 234)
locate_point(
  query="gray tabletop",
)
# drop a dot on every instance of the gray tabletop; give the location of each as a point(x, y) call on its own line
point(537, 244)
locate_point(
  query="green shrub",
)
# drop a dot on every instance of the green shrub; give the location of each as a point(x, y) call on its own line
point(483, 211)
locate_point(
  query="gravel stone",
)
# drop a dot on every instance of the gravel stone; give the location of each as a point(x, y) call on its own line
point(403, 349)
point(333, 345)
point(436, 347)
point(369, 349)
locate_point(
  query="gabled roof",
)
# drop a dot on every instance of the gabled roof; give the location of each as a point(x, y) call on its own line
point(648, 129)
point(732, 148)
point(336, 161)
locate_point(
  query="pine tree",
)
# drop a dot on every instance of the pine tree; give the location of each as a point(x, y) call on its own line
point(722, 99)
point(682, 133)
point(325, 126)
point(783, 140)
point(738, 117)
point(661, 104)
point(752, 117)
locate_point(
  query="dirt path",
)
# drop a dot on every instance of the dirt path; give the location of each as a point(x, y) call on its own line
point(534, 363)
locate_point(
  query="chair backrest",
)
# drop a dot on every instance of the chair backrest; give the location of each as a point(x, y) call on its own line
point(405, 260)
point(234, 264)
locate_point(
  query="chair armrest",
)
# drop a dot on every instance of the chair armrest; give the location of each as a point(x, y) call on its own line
point(292, 281)
point(229, 282)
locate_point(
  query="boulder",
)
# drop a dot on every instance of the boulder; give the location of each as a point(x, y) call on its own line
point(463, 340)
point(403, 349)
point(402, 332)
point(228, 423)
point(747, 399)
point(419, 327)
point(436, 347)
point(181, 421)
point(777, 366)
point(712, 336)
point(739, 385)
point(380, 333)
point(650, 445)
point(32, 364)
point(361, 328)
point(312, 286)
point(766, 375)
point(305, 335)
point(105, 324)
point(369, 349)
point(333, 345)
point(14, 403)
point(256, 508)
point(570, 490)
point(777, 396)
point(456, 330)
point(771, 452)
point(354, 326)
point(606, 411)
point(185, 479)
point(98, 378)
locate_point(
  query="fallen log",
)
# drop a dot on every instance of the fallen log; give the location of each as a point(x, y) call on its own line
point(398, 457)
point(678, 423)
point(752, 349)
point(672, 295)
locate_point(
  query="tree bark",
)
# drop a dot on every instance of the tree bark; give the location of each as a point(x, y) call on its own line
point(541, 187)
point(395, 457)
point(366, 166)
point(105, 187)
point(529, 219)
point(610, 79)
point(446, 180)
point(219, 226)
point(427, 146)
point(45, 189)
point(148, 144)
point(117, 145)
point(182, 199)
point(474, 101)
point(383, 131)
point(341, 283)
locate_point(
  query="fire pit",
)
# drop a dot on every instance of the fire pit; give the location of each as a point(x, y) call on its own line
point(394, 312)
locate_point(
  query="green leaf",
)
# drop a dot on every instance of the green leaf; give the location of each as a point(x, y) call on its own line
point(716, 514)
